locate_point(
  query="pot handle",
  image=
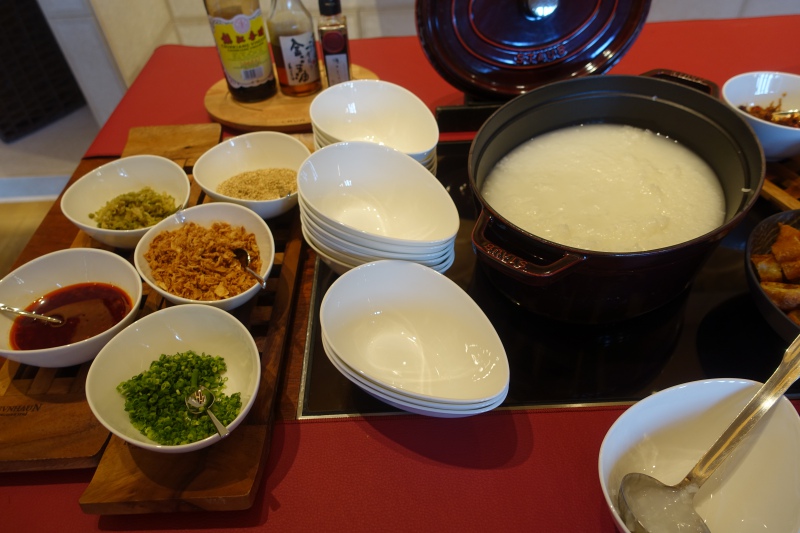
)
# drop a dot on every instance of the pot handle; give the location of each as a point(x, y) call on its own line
point(701, 84)
point(505, 260)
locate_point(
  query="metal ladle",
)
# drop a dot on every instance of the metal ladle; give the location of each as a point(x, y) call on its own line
point(640, 493)
point(244, 258)
point(199, 402)
point(49, 319)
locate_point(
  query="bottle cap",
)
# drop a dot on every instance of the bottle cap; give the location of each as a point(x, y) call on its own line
point(330, 7)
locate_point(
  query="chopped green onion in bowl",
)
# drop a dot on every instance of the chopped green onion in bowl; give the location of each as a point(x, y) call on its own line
point(155, 398)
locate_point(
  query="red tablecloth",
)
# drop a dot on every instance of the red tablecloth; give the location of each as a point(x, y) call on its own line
point(171, 89)
point(508, 470)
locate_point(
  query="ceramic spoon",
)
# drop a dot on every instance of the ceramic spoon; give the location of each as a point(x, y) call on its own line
point(647, 505)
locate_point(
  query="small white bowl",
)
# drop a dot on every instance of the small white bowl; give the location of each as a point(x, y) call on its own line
point(205, 215)
point(128, 174)
point(764, 88)
point(409, 328)
point(54, 271)
point(379, 192)
point(665, 434)
point(375, 111)
point(251, 151)
point(200, 328)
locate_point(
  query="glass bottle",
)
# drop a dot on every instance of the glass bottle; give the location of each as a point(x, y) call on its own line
point(291, 33)
point(241, 39)
point(333, 38)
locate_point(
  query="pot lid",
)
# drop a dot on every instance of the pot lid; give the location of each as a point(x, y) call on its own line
point(498, 49)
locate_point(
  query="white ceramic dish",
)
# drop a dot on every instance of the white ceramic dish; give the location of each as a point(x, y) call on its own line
point(665, 434)
point(362, 255)
point(199, 328)
point(251, 151)
point(378, 191)
point(336, 242)
point(368, 241)
point(205, 215)
point(408, 327)
point(375, 111)
point(409, 404)
point(362, 381)
point(764, 88)
point(128, 174)
point(56, 270)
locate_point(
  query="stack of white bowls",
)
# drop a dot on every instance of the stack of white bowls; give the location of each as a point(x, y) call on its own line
point(414, 339)
point(379, 112)
point(362, 202)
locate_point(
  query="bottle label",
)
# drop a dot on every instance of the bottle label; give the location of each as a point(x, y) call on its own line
point(243, 49)
point(300, 57)
point(334, 50)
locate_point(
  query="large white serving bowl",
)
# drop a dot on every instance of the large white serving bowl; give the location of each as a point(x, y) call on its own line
point(375, 111)
point(205, 215)
point(56, 270)
point(251, 151)
point(128, 174)
point(665, 434)
point(377, 191)
point(199, 328)
point(764, 88)
point(410, 328)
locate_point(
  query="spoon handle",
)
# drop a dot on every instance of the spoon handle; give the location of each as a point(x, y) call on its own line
point(37, 316)
point(221, 429)
point(784, 376)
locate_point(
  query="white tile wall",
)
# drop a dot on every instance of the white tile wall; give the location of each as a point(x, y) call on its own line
point(107, 42)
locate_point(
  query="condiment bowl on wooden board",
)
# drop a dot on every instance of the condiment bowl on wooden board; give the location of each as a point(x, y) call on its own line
point(204, 330)
point(95, 292)
point(103, 187)
point(255, 170)
point(769, 90)
point(192, 257)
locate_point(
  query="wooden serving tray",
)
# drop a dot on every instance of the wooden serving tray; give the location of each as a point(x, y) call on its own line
point(782, 184)
point(286, 114)
point(45, 421)
point(50, 426)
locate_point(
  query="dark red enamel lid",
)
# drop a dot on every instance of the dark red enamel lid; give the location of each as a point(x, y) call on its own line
point(498, 49)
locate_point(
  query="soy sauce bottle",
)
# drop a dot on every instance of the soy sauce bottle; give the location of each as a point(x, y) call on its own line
point(291, 34)
point(240, 35)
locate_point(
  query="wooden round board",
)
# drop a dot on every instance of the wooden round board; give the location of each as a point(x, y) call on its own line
point(280, 113)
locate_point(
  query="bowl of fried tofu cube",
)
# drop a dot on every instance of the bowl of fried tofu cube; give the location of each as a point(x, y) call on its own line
point(772, 257)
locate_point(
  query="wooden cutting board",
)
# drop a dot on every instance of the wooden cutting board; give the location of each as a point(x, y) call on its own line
point(280, 113)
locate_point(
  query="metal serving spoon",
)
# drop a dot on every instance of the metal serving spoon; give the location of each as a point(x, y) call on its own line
point(199, 402)
point(50, 319)
point(244, 258)
point(641, 495)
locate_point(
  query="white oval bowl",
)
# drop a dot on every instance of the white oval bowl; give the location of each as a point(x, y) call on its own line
point(128, 174)
point(665, 434)
point(378, 191)
point(764, 88)
point(54, 271)
point(205, 215)
point(366, 255)
point(251, 151)
point(200, 328)
point(343, 233)
point(375, 111)
point(410, 328)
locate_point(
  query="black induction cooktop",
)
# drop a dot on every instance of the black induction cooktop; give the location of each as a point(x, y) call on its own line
point(713, 330)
